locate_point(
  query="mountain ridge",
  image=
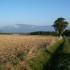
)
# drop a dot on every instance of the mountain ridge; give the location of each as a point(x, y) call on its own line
point(24, 28)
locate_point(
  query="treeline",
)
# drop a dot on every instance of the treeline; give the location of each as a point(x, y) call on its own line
point(53, 33)
point(44, 33)
point(66, 33)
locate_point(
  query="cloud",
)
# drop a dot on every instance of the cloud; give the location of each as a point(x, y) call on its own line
point(16, 26)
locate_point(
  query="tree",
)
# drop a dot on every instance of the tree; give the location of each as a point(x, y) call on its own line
point(66, 33)
point(59, 25)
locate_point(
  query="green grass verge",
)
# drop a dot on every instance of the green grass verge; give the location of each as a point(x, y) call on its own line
point(61, 57)
point(39, 62)
point(66, 48)
point(56, 45)
point(64, 63)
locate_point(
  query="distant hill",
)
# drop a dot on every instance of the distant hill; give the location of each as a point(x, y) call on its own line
point(24, 28)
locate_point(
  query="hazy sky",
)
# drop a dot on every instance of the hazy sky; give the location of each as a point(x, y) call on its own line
point(36, 12)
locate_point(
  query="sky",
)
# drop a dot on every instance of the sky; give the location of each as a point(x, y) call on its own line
point(33, 12)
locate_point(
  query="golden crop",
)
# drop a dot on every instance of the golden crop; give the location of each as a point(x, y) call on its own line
point(18, 48)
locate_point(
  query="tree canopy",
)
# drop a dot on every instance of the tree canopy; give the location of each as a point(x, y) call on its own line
point(59, 25)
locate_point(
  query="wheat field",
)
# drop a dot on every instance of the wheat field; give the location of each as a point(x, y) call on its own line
point(16, 49)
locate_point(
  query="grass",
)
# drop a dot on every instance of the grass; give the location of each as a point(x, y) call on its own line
point(60, 60)
point(19, 52)
point(41, 61)
point(66, 48)
point(28, 52)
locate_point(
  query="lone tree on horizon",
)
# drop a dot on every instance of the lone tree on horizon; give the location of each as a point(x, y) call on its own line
point(59, 25)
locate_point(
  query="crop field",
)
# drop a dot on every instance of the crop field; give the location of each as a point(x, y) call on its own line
point(15, 50)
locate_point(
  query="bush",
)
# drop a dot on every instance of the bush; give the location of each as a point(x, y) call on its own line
point(66, 33)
